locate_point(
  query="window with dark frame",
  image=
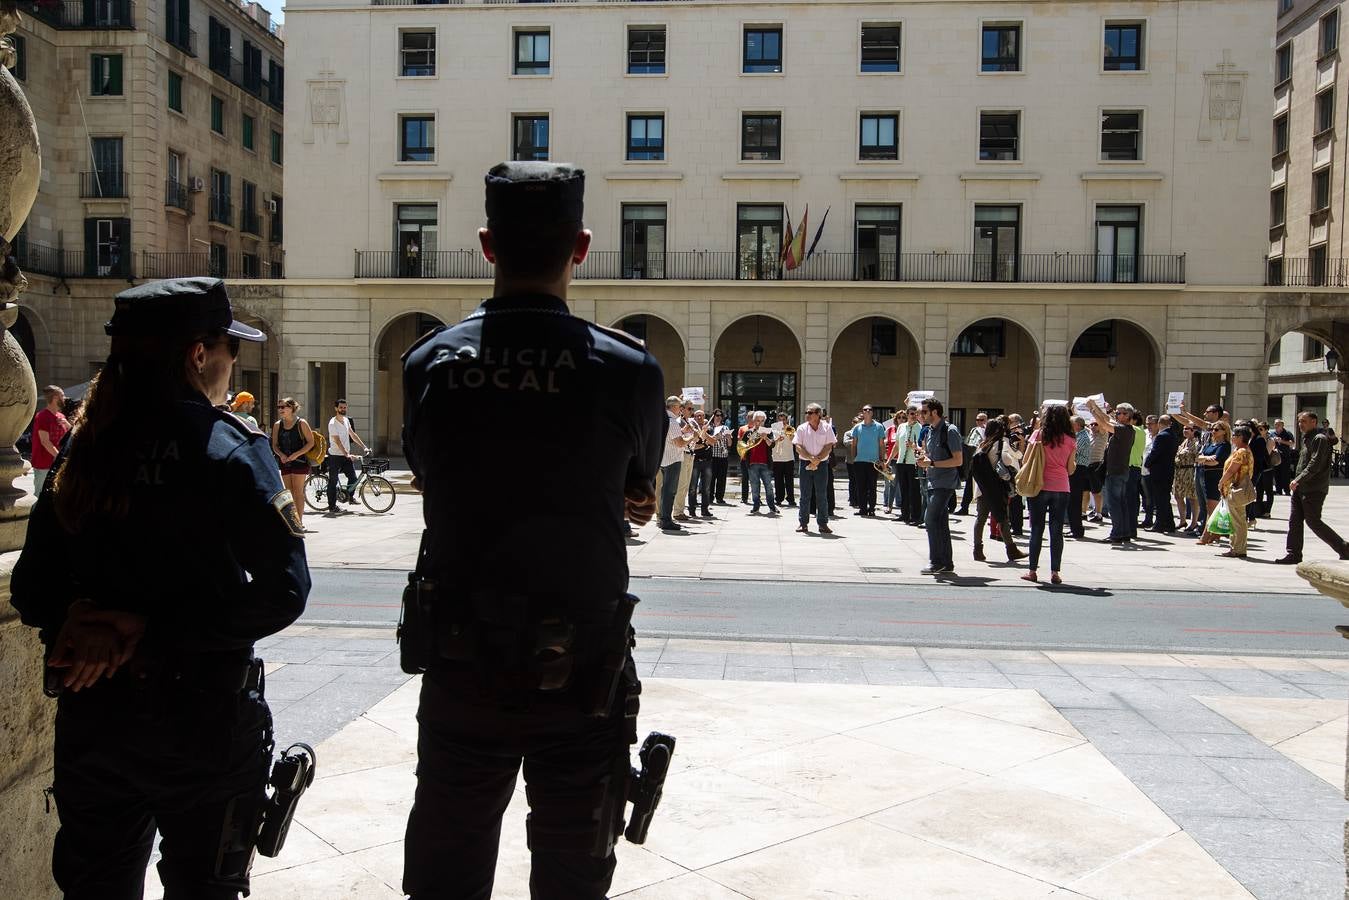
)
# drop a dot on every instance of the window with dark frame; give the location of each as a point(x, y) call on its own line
point(1285, 5)
point(1124, 46)
point(762, 50)
point(880, 48)
point(884, 337)
point(1325, 110)
point(175, 92)
point(646, 50)
point(1329, 33)
point(417, 53)
point(105, 74)
point(1312, 349)
point(1275, 352)
point(1277, 207)
point(1096, 342)
point(1122, 135)
point(246, 131)
point(987, 337)
point(646, 136)
point(761, 136)
point(643, 235)
point(277, 142)
point(248, 208)
point(20, 69)
point(1321, 190)
point(417, 138)
point(999, 136)
point(879, 136)
point(277, 211)
point(529, 138)
point(1274, 276)
point(1283, 63)
point(218, 264)
point(1001, 48)
point(997, 243)
point(876, 241)
point(1316, 264)
point(758, 241)
point(217, 115)
point(533, 52)
point(1281, 134)
point(1119, 241)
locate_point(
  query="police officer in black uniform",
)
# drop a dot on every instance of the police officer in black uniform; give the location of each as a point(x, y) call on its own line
point(162, 546)
point(529, 590)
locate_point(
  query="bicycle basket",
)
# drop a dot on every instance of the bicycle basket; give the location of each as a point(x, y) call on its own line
point(376, 465)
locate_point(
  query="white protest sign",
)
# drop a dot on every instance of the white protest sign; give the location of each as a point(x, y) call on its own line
point(917, 397)
point(1174, 401)
point(693, 395)
point(1055, 403)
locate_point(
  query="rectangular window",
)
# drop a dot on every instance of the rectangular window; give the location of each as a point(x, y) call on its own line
point(997, 243)
point(987, 337)
point(644, 227)
point(1118, 238)
point(415, 239)
point(219, 261)
point(217, 115)
point(646, 50)
point(758, 235)
point(1330, 32)
point(1121, 135)
point(248, 208)
point(175, 188)
point(108, 178)
point(1284, 6)
point(1274, 276)
point(880, 48)
point(1281, 134)
point(1124, 46)
point(1316, 265)
point(1325, 110)
point(276, 147)
point(1283, 63)
point(761, 136)
point(876, 242)
point(222, 209)
point(1277, 207)
point(277, 208)
point(762, 51)
point(1312, 349)
point(417, 53)
point(646, 136)
point(529, 137)
point(879, 137)
point(177, 30)
point(1001, 48)
point(246, 132)
point(249, 267)
point(107, 247)
point(1000, 136)
point(175, 92)
point(533, 53)
point(1321, 190)
point(105, 74)
point(417, 142)
point(20, 69)
point(219, 41)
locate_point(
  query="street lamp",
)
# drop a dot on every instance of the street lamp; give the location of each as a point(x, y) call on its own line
point(757, 349)
point(875, 352)
point(1112, 359)
point(993, 359)
point(1332, 360)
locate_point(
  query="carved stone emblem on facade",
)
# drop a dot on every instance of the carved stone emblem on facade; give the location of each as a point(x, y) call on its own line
point(327, 112)
point(1224, 114)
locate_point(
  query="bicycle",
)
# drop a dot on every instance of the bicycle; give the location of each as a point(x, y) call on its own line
point(375, 491)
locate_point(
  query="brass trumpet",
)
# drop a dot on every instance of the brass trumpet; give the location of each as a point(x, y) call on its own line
point(884, 471)
point(743, 447)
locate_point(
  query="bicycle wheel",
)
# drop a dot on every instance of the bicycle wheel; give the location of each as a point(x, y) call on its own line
point(316, 492)
point(377, 494)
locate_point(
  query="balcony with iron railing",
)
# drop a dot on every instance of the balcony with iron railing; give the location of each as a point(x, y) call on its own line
point(186, 264)
point(105, 262)
point(730, 265)
point(1303, 271)
point(177, 195)
point(250, 221)
point(222, 211)
point(103, 185)
point(82, 14)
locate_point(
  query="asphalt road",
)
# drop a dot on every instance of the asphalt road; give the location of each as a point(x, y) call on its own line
point(961, 613)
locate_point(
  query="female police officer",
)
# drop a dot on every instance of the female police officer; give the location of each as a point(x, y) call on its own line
point(160, 549)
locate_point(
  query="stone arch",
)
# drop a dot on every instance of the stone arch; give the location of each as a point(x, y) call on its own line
point(1135, 376)
point(258, 367)
point(34, 338)
point(854, 381)
point(1294, 383)
point(391, 339)
point(664, 342)
point(774, 384)
point(998, 382)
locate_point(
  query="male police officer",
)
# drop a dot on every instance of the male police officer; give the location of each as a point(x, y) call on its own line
point(530, 592)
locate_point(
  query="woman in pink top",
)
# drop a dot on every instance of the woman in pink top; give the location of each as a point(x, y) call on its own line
point(1055, 434)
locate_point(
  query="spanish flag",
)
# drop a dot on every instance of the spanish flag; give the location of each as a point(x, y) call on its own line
point(794, 247)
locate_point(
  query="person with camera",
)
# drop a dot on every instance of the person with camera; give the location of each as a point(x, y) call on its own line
point(160, 718)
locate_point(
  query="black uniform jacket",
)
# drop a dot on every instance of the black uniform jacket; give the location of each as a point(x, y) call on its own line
point(523, 424)
point(209, 553)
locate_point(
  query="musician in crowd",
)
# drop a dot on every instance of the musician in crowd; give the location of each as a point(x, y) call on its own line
point(667, 478)
point(758, 451)
point(686, 424)
point(784, 463)
point(700, 485)
point(722, 439)
point(814, 442)
point(850, 453)
point(905, 457)
point(868, 442)
point(741, 436)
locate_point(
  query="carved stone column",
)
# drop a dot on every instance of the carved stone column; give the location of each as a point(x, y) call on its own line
point(1332, 579)
point(25, 714)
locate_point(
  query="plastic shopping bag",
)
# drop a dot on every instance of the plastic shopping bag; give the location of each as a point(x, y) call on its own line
point(1221, 520)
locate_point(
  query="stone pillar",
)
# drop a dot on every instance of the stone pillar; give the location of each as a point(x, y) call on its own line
point(814, 386)
point(1055, 366)
point(936, 352)
point(25, 714)
point(698, 354)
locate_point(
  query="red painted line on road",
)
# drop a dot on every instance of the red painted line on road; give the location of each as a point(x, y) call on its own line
point(359, 605)
point(1239, 631)
point(957, 624)
point(676, 615)
point(1137, 605)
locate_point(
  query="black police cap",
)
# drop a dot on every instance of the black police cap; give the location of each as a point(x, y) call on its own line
point(177, 306)
point(535, 191)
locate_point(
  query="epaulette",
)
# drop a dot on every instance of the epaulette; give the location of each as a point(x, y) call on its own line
point(633, 342)
point(422, 340)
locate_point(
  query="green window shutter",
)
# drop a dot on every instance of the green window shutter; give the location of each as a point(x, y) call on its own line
point(248, 132)
point(175, 92)
point(115, 75)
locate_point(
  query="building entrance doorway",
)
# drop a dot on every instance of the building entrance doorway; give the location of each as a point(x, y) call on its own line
point(741, 393)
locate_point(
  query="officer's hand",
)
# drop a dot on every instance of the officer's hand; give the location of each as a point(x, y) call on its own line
point(94, 644)
point(639, 503)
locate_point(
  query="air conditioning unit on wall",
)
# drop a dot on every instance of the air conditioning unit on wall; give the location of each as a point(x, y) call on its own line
point(271, 207)
point(196, 185)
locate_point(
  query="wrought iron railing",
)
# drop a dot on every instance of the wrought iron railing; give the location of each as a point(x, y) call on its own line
point(730, 265)
point(83, 14)
point(103, 184)
point(106, 262)
point(176, 194)
point(200, 262)
point(1302, 271)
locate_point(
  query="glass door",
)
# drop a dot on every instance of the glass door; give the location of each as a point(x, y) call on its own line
point(758, 241)
point(741, 393)
point(1117, 241)
point(416, 232)
point(997, 242)
point(877, 242)
point(644, 241)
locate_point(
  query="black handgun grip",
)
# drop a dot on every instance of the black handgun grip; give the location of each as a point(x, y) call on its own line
point(291, 777)
point(649, 784)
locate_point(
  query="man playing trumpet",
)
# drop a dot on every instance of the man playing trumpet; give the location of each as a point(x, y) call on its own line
point(784, 454)
point(814, 442)
point(758, 454)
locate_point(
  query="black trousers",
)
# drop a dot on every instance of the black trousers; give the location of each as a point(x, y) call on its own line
point(909, 507)
point(720, 465)
point(968, 494)
point(338, 465)
point(865, 479)
point(130, 760)
point(744, 480)
point(852, 484)
point(1159, 488)
point(469, 751)
point(784, 484)
point(992, 505)
point(700, 485)
point(1079, 484)
point(1016, 512)
point(1306, 508)
point(1264, 492)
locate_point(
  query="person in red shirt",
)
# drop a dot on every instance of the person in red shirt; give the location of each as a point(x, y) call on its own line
point(49, 428)
point(761, 465)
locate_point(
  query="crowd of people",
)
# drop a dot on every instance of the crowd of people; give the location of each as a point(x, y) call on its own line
point(1061, 471)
